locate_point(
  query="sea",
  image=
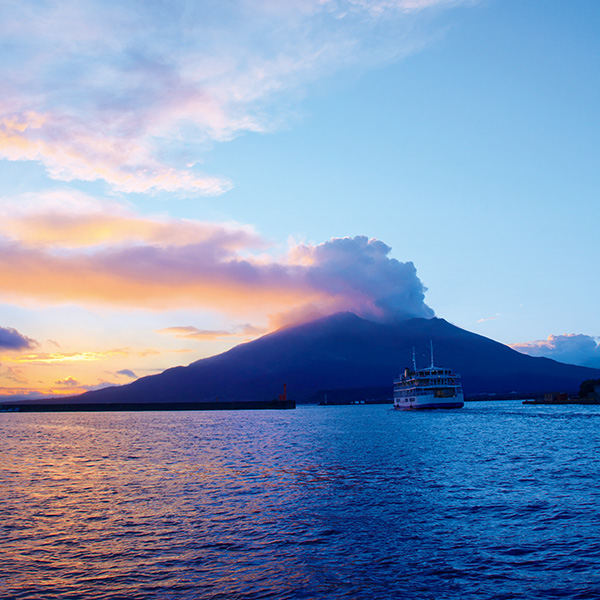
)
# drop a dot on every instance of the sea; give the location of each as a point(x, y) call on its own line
point(496, 500)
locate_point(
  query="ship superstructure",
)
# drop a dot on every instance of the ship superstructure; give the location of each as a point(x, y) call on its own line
point(431, 387)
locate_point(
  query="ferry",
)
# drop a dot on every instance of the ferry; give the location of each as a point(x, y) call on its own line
point(431, 387)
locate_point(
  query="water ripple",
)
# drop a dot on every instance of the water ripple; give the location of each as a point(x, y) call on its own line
point(493, 501)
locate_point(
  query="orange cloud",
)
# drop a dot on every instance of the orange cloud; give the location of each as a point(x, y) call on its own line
point(73, 253)
point(193, 333)
point(58, 357)
point(69, 382)
point(71, 219)
point(147, 276)
point(14, 374)
point(20, 393)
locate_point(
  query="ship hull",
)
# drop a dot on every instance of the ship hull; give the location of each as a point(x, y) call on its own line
point(429, 406)
point(428, 402)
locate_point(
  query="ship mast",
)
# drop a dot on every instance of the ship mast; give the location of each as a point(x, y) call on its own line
point(414, 360)
point(431, 345)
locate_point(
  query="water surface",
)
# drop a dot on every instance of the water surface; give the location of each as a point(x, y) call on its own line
point(496, 500)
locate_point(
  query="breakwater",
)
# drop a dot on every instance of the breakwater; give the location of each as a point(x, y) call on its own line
point(147, 406)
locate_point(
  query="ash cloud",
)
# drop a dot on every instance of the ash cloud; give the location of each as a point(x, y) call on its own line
point(160, 263)
point(11, 339)
point(343, 274)
point(571, 348)
point(357, 274)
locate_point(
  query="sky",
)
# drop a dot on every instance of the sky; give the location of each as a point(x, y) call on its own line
point(178, 177)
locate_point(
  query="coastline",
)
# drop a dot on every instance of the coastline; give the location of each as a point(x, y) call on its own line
point(563, 401)
point(148, 406)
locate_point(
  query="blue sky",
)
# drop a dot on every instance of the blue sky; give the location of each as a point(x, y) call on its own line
point(173, 176)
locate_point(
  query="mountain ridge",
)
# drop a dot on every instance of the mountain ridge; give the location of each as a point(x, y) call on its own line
point(346, 351)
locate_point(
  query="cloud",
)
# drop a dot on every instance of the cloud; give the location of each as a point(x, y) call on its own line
point(67, 382)
point(74, 151)
point(45, 358)
point(11, 339)
point(189, 332)
point(127, 373)
point(572, 348)
point(61, 387)
point(72, 219)
point(74, 253)
point(99, 386)
point(14, 374)
point(135, 93)
point(485, 319)
point(356, 274)
point(21, 393)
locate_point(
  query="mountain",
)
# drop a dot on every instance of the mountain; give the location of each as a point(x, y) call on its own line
point(345, 351)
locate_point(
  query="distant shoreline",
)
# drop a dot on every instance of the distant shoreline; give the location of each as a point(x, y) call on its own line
point(30, 407)
point(563, 401)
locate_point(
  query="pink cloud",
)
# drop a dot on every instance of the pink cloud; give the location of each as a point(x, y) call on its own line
point(14, 374)
point(71, 219)
point(144, 263)
point(132, 95)
point(74, 150)
point(485, 319)
point(189, 332)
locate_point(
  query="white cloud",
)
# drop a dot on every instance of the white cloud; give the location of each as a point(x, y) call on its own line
point(572, 348)
point(132, 93)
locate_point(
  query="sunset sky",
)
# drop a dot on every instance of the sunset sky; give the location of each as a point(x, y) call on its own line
point(179, 177)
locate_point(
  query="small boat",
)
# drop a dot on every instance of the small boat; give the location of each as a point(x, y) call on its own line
point(431, 387)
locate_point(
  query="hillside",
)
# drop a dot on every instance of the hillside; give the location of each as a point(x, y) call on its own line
point(345, 351)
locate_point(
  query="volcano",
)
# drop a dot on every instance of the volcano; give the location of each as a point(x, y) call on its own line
point(344, 352)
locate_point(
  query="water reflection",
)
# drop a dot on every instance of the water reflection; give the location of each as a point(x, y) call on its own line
point(340, 502)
